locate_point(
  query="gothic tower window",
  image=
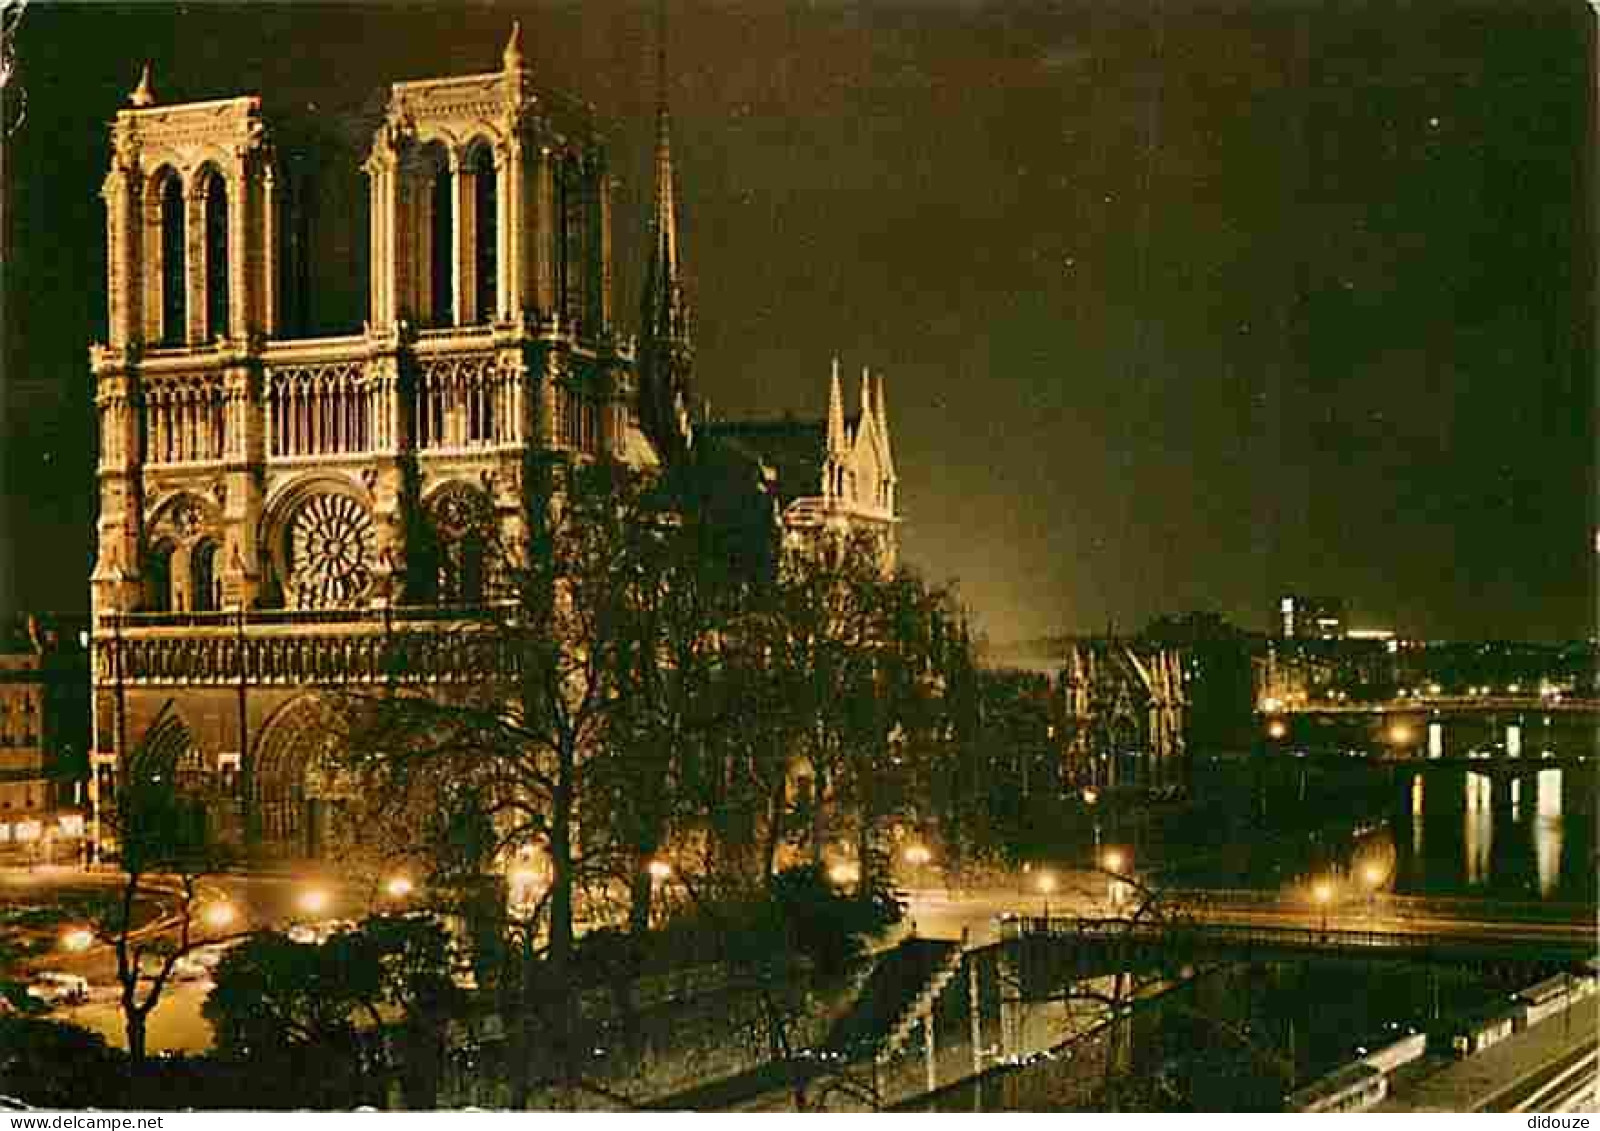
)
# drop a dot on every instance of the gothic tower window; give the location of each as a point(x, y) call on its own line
point(215, 195)
point(441, 265)
point(173, 307)
point(487, 232)
point(205, 588)
point(158, 579)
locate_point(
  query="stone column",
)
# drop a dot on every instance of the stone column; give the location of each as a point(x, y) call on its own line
point(151, 259)
point(511, 255)
point(930, 1061)
point(121, 192)
point(244, 453)
point(380, 222)
point(116, 572)
point(269, 251)
point(241, 266)
point(464, 239)
point(194, 264)
point(388, 484)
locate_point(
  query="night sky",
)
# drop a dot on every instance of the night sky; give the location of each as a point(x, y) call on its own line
point(1180, 306)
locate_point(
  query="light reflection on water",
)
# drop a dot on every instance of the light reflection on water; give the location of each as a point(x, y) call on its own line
point(1478, 833)
point(1547, 830)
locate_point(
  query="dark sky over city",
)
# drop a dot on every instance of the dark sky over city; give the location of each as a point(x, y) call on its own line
point(1180, 305)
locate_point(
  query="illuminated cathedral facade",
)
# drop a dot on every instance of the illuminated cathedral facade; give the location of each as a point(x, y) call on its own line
point(283, 514)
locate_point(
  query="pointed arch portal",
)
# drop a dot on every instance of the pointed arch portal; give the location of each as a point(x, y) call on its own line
point(296, 789)
point(167, 768)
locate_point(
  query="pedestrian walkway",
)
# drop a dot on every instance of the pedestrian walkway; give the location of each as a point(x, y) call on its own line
point(1470, 1084)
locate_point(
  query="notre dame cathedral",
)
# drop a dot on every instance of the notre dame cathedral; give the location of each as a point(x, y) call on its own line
point(277, 511)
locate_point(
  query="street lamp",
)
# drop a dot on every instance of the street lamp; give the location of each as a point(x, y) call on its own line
point(1112, 862)
point(1047, 884)
point(844, 872)
point(918, 855)
point(399, 887)
point(314, 900)
point(659, 870)
point(78, 939)
point(218, 915)
point(1277, 728)
point(1323, 894)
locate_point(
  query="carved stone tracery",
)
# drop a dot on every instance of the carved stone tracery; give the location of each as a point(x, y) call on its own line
point(332, 550)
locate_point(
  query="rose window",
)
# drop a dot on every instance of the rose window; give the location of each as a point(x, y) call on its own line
point(331, 552)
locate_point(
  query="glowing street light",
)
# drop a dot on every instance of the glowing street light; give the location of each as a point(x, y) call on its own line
point(1323, 894)
point(314, 901)
point(918, 855)
point(399, 887)
point(1112, 862)
point(219, 915)
point(844, 873)
point(1277, 728)
point(1399, 734)
point(1047, 884)
point(77, 939)
point(659, 870)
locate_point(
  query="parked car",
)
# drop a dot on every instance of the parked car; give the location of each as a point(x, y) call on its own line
point(320, 932)
point(211, 956)
point(55, 988)
point(188, 968)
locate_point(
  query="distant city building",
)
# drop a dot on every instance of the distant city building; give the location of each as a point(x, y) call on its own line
point(1123, 709)
point(43, 739)
point(1309, 618)
point(1218, 677)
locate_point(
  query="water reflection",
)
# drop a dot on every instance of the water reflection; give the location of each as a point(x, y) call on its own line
point(1547, 830)
point(1489, 833)
point(1416, 815)
point(1478, 834)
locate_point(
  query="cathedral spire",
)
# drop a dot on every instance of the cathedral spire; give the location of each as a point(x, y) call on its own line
point(835, 413)
point(511, 57)
point(866, 397)
point(666, 313)
point(665, 350)
point(881, 403)
point(143, 94)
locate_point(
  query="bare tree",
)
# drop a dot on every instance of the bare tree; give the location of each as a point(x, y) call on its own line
point(158, 845)
point(520, 746)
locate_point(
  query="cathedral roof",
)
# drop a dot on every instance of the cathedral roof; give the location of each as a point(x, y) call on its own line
point(794, 449)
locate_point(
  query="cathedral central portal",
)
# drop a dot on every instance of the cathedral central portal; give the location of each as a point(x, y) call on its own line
point(297, 791)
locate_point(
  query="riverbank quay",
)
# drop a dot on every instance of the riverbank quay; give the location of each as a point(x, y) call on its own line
point(1504, 1076)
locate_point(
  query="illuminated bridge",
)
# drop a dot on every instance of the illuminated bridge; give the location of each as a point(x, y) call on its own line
point(1452, 705)
point(1445, 726)
point(1188, 939)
